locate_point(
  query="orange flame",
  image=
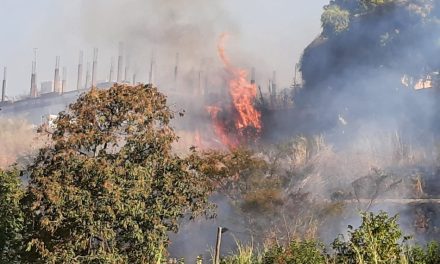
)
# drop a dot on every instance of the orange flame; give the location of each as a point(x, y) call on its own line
point(231, 125)
point(244, 116)
point(242, 92)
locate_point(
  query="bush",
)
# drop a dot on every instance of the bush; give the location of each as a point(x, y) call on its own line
point(418, 255)
point(297, 252)
point(378, 240)
point(11, 216)
point(375, 241)
point(335, 20)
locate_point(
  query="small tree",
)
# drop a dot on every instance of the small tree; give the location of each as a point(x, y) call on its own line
point(109, 188)
point(335, 20)
point(11, 217)
point(377, 240)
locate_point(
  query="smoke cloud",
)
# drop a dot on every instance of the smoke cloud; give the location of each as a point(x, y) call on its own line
point(264, 35)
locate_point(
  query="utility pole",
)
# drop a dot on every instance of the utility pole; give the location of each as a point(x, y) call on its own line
point(217, 245)
point(151, 73)
point(80, 71)
point(110, 77)
point(56, 79)
point(94, 66)
point(34, 92)
point(87, 76)
point(120, 62)
point(4, 85)
point(64, 81)
point(220, 231)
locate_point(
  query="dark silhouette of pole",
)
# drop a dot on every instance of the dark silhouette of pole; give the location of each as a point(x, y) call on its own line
point(4, 85)
point(95, 67)
point(218, 245)
point(80, 71)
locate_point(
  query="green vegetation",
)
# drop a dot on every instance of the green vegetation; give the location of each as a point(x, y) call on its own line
point(375, 241)
point(296, 252)
point(108, 188)
point(11, 216)
point(335, 20)
point(338, 13)
point(378, 240)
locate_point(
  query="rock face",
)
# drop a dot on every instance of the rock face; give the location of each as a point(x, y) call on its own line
point(356, 71)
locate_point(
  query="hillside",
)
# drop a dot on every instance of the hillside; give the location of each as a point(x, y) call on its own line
point(355, 66)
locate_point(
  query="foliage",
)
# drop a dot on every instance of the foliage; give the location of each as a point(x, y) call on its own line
point(297, 252)
point(418, 255)
point(375, 241)
point(245, 254)
point(241, 165)
point(245, 177)
point(259, 182)
point(264, 185)
point(360, 6)
point(11, 217)
point(375, 3)
point(109, 188)
point(335, 20)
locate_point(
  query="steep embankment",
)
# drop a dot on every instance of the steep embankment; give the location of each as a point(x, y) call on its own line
point(354, 68)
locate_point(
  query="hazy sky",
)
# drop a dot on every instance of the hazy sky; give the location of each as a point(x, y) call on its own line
point(270, 34)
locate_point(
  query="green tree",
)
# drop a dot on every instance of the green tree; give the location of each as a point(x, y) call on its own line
point(418, 255)
point(377, 240)
point(11, 216)
point(334, 20)
point(110, 188)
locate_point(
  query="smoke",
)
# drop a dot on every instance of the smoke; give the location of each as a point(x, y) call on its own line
point(18, 139)
point(354, 96)
point(157, 28)
point(190, 28)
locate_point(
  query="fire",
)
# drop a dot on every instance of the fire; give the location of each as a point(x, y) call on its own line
point(243, 95)
point(242, 92)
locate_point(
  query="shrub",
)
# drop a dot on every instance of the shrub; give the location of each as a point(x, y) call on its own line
point(297, 252)
point(377, 240)
point(11, 216)
point(335, 20)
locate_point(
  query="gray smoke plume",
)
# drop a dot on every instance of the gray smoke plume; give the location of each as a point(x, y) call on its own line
point(268, 36)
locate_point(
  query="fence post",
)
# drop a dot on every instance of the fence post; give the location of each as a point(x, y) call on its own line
point(217, 245)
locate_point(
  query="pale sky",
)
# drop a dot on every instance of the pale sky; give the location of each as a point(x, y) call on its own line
point(271, 34)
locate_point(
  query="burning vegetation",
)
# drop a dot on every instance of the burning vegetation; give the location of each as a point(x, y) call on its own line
point(239, 121)
point(356, 136)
